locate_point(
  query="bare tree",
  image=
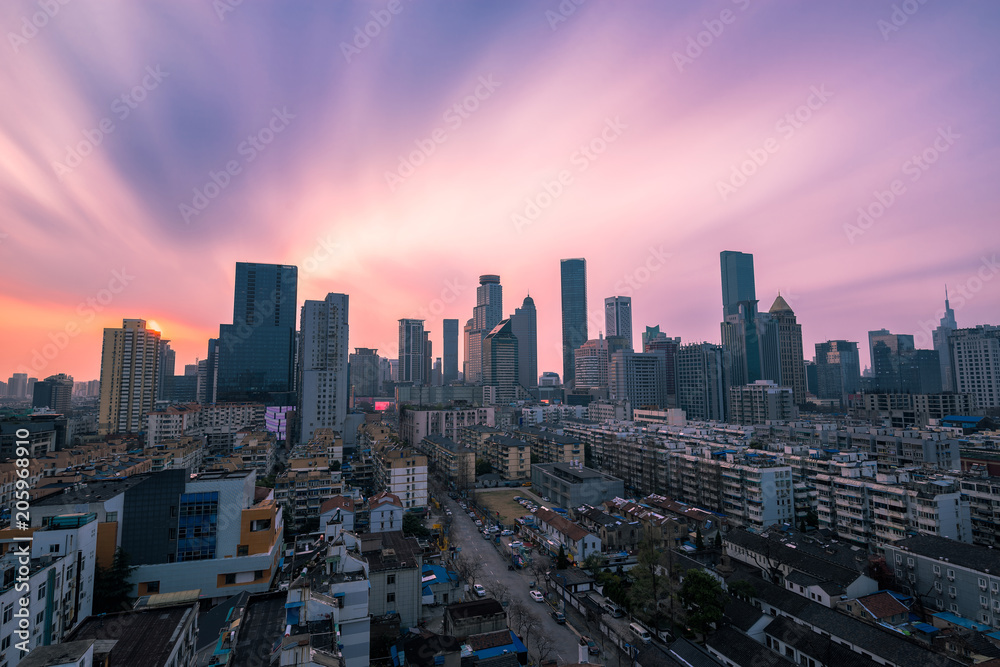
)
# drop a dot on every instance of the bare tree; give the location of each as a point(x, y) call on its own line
point(522, 619)
point(545, 647)
point(498, 590)
point(468, 568)
point(539, 566)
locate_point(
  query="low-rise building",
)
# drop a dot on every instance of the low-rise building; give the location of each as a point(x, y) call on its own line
point(385, 512)
point(556, 531)
point(456, 462)
point(509, 457)
point(462, 619)
point(572, 485)
point(403, 473)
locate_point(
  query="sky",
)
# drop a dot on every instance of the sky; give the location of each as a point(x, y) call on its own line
point(394, 151)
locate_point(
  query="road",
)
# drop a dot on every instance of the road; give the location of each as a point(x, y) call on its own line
point(466, 535)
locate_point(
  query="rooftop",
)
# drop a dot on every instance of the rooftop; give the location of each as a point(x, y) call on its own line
point(972, 556)
point(263, 623)
point(142, 637)
point(92, 492)
point(56, 654)
point(815, 645)
point(571, 472)
point(486, 607)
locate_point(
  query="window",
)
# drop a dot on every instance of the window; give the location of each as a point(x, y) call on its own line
point(5, 644)
point(243, 550)
point(53, 548)
point(111, 517)
point(258, 574)
point(391, 597)
point(152, 587)
point(231, 578)
point(390, 579)
point(41, 590)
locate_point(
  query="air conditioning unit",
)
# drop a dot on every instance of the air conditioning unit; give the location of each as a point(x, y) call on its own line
point(951, 577)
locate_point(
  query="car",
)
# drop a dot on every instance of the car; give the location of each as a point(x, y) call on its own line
point(592, 647)
point(559, 617)
point(506, 532)
point(479, 523)
point(518, 498)
point(472, 515)
point(494, 529)
point(545, 499)
point(516, 543)
point(486, 535)
point(537, 596)
point(480, 591)
point(612, 609)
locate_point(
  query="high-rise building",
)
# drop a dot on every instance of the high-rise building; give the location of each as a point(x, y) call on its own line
point(17, 385)
point(591, 364)
point(761, 402)
point(365, 372)
point(257, 351)
point(651, 333)
point(637, 377)
point(618, 317)
point(467, 337)
point(323, 365)
point(792, 363)
point(737, 280)
point(129, 373)
point(838, 369)
point(573, 283)
point(524, 325)
point(940, 336)
point(54, 392)
point(975, 363)
point(500, 362)
point(668, 348)
point(412, 347)
point(436, 373)
point(887, 352)
point(700, 390)
point(485, 316)
point(449, 358)
point(428, 357)
point(167, 361)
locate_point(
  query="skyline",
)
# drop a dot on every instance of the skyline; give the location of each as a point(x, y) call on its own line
point(631, 156)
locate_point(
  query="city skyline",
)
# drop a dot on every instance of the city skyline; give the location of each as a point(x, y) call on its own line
point(838, 174)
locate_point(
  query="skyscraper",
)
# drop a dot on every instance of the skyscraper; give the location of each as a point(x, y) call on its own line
point(485, 316)
point(887, 353)
point(524, 325)
point(659, 343)
point(54, 392)
point(323, 365)
point(975, 362)
point(129, 373)
point(618, 317)
point(699, 381)
point(637, 377)
point(167, 361)
point(945, 327)
point(737, 280)
point(793, 370)
point(17, 386)
point(365, 372)
point(256, 353)
point(573, 279)
point(449, 358)
point(500, 362)
point(412, 347)
point(838, 369)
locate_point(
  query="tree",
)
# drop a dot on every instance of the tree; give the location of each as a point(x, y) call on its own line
point(523, 620)
point(468, 568)
point(545, 646)
point(483, 467)
point(498, 590)
point(562, 561)
point(743, 590)
point(647, 586)
point(718, 539)
point(702, 596)
point(112, 584)
point(413, 525)
point(699, 541)
point(593, 563)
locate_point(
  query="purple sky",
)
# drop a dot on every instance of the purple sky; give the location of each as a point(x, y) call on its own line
point(640, 148)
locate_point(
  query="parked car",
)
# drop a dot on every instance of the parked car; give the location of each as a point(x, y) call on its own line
point(537, 596)
point(559, 617)
point(592, 646)
point(480, 591)
point(612, 609)
point(486, 535)
point(516, 543)
point(507, 532)
point(479, 523)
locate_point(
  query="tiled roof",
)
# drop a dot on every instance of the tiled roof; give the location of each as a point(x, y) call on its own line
point(882, 605)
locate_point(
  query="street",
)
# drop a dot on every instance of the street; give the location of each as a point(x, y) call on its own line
point(466, 535)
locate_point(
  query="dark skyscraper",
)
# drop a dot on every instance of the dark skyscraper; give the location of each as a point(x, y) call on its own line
point(500, 363)
point(524, 325)
point(412, 348)
point(737, 280)
point(257, 351)
point(449, 360)
point(888, 352)
point(573, 274)
point(946, 325)
point(838, 369)
point(618, 317)
point(793, 370)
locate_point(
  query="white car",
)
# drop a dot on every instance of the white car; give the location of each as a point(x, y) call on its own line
point(516, 543)
point(537, 596)
point(505, 533)
point(480, 591)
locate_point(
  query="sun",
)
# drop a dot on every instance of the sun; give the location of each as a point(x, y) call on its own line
point(154, 325)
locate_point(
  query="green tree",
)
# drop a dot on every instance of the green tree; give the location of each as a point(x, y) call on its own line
point(335, 466)
point(647, 582)
point(702, 597)
point(718, 539)
point(562, 561)
point(112, 585)
point(699, 541)
point(743, 590)
point(594, 563)
point(483, 467)
point(413, 525)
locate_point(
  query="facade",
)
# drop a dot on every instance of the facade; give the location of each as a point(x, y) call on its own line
point(949, 576)
point(403, 473)
point(700, 387)
point(510, 457)
point(129, 374)
point(888, 352)
point(485, 316)
point(618, 317)
point(449, 359)
point(761, 402)
point(639, 378)
point(365, 374)
point(256, 353)
point(415, 425)
point(395, 570)
point(323, 365)
point(524, 325)
point(903, 410)
point(301, 492)
point(573, 281)
point(500, 363)
point(591, 364)
point(668, 348)
point(549, 446)
point(838, 369)
point(412, 352)
point(975, 357)
point(455, 462)
point(385, 512)
point(793, 371)
point(55, 392)
point(572, 485)
point(558, 531)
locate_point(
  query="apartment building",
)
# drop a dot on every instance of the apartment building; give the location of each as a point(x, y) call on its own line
point(551, 446)
point(572, 485)
point(302, 492)
point(456, 462)
point(417, 424)
point(403, 473)
point(509, 457)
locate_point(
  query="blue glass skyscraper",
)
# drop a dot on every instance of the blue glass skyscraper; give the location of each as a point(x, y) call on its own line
point(573, 276)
